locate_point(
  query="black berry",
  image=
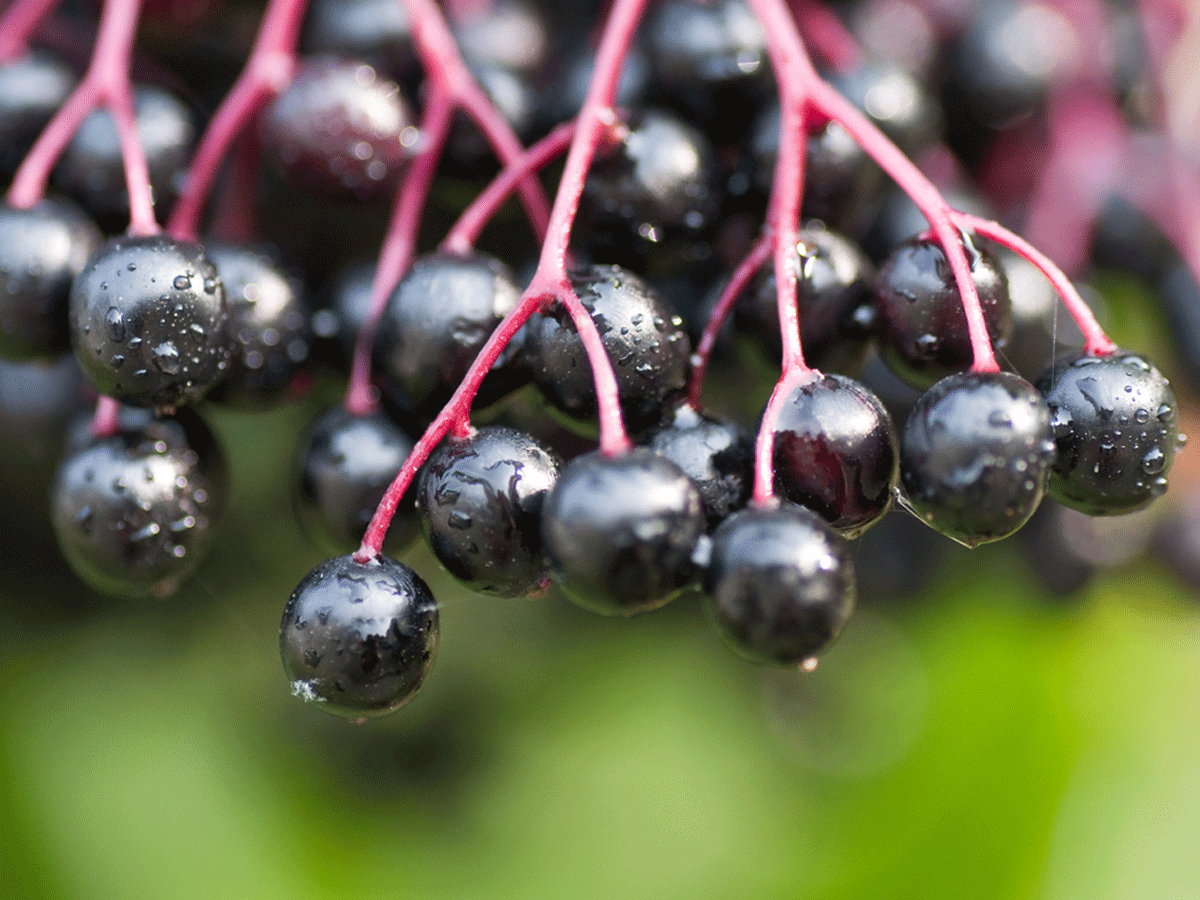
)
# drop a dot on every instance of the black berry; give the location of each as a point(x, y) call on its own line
point(359, 638)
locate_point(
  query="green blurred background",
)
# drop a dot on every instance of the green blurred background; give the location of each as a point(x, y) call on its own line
point(981, 740)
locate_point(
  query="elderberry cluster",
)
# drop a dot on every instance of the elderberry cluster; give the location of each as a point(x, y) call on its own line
point(725, 208)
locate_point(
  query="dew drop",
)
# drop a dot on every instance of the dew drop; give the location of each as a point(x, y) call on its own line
point(115, 323)
point(181, 283)
point(166, 358)
point(1153, 462)
point(1142, 416)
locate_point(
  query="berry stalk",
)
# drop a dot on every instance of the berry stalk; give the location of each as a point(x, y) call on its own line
point(18, 23)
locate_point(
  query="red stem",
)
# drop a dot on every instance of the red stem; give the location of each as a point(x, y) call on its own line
point(106, 83)
point(18, 23)
point(106, 418)
point(747, 269)
point(465, 232)
point(443, 63)
point(269, 70)
point(399, 244)
point(1096, 342)
point(829, 39)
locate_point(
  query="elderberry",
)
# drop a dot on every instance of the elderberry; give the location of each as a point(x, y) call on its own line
point(357, 638)
point(480, 505)
point(148, 321)
point(1114, 429)
point(779, 584)
point(976, 454)
point(621, 531)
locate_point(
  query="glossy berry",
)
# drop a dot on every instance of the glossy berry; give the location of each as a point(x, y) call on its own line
point(506, 34)
point(658, 182)
point(148, 321)
point(643, 336)
point(976, 454)
point(435, 323)
point(346, 463)
point(135, 512)
point(92, 169)
point(833, 300)
point(33, 86)
point(340, 130)
point(836, 452)
point(709, 60)
point(1115, 431)
point(268, 324)
point(621, 531)
point(920, 323)
point(42, 249)
point(895, 101)
point(718, 456)
point(779, 584)
point(343, 308)
point(357, 638)
point(479, 500)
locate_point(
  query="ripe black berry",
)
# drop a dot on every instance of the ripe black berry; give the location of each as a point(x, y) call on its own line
point(976, 454)
point(644, 338)
point(42, 249)
point(148, 321)
point(1114, 428)
point(135, 512)
point(621, 531)
point(480, 500)
point(435, 323)
point(920, 322)
point(780, 584)
point(359, 638)
point(346, 463)
point(340, 130)
point(269, 326)
point(836, 452)
point(718, 456)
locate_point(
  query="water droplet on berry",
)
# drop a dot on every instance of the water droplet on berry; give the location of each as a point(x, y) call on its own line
point(1153, 462)
point(166, 358)
point(116, 324)
point(181, 283)
point(1142, 416)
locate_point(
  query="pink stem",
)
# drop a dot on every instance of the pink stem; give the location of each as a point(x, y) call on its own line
point(18, 23)
point(1096, 342)
point(755, 260)
point(454, 415)
point(443, 63)
point(105, 82)
point(926, 198)
point(764, 443)
point(824, 32)
point(596, 120)
point(106, 419)
point(269, 70)
point(400, 243)
point(465, 232)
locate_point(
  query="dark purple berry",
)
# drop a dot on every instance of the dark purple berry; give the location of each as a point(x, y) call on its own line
point(658, 182)
point(344, 307)
point(621, 531)
point(42, 249)
point(976, 454)
point(643, 336)
point(435, 323)
point(833, 294)
point(148, 321)
point(92, 169)
point(346, 463)
point(779, 584)
point(357, 638)
point(895, 101)
point(920, 322)
point(340, 130)
point(836, 452)
point(718, 456)
point(507, 34)
point(268, 324)
point(480, 500)
point(33, 86)
point(135, 512)
point(1114, 429)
